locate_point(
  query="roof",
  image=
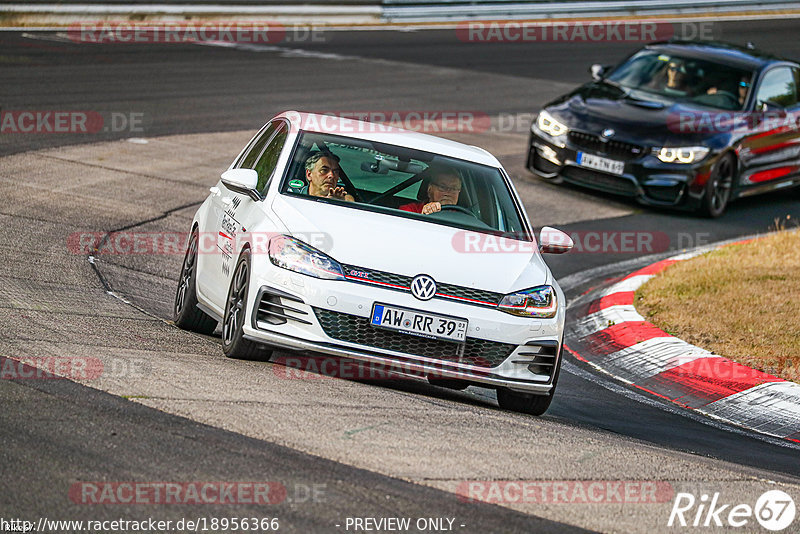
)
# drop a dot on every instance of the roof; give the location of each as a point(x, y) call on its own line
point(726, 53)
point(383, 133)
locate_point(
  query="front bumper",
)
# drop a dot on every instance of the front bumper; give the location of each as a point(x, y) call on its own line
point(645, 178)
point(295, 312)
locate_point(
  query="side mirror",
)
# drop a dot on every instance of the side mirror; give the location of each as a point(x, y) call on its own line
point(771, 107)
point(242, 181)
point(552, 241)
point(597, 71)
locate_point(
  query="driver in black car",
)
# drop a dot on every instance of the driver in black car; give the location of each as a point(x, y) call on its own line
point(442, 187)
point(743, 86)
point(676, 82)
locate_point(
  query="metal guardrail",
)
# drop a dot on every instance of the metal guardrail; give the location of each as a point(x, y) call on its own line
point(57, 12)
point(417, 10)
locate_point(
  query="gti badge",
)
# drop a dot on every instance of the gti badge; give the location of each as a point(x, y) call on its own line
point(423, 287)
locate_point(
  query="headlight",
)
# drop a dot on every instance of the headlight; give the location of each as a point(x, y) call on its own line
point(539, 302)
point(289, 253)
point(681, 154)
point(546, 123)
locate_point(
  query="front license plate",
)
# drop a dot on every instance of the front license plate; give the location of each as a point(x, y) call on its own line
point(419, 323)
point(591, 161)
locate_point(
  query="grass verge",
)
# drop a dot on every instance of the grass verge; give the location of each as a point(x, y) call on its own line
point(740, 301)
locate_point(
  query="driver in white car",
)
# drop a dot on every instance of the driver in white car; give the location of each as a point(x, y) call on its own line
point(441, 187)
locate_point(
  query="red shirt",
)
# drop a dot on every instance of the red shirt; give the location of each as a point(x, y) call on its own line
point(415, 207)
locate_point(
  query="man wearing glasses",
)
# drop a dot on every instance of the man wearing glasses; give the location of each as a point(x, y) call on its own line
point(442, 188)
point(677, 78)
point(743, 88)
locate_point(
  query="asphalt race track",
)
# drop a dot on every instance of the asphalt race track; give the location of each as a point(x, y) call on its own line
point(174, 409)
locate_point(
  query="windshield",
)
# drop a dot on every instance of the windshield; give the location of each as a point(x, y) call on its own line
point(676, 78)
point(403, 182)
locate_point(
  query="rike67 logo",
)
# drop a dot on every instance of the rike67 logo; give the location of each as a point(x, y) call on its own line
point(774, 510)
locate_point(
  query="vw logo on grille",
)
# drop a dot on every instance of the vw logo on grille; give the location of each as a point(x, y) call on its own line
point(423, 287)
point(608, 132)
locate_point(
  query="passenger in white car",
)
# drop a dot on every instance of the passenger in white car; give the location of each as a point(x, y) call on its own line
point(322, 173)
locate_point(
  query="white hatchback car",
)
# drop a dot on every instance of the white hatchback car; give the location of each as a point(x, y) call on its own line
point(350, 239)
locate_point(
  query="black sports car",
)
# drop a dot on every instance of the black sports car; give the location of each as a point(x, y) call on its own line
point(684, 124)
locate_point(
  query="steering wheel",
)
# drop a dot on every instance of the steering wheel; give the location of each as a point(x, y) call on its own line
point(456, 207)
point(732, 99)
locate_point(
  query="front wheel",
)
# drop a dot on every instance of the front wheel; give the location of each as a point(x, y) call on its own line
point(234, 345)
point(523, 402)
point(718, 188)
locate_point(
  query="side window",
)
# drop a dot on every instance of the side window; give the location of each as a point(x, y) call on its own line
point(778, 86)
point(269, 159)
point(255, 148)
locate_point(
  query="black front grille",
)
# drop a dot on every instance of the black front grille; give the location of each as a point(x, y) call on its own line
point(486, 297)
point(272, 306)
point(386, 278)
point(354, 329)
point(599, 180)
point(401, 282)
point(611, 148)
point(544, 357)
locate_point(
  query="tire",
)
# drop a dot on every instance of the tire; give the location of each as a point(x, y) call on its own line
point(525, 402)
point(450, 383)
point(719, 187)
point(233, 343)
point(186, 314)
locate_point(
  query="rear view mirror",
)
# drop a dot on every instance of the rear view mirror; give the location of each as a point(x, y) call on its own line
point(383, 166)
point(552, 241)
point(243, 181)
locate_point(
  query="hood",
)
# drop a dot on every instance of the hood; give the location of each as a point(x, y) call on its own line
point(641, 120)
point(408, 247)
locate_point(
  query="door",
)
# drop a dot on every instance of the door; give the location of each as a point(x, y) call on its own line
point(239, 213)
point(221, 229)
point(771, 155)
